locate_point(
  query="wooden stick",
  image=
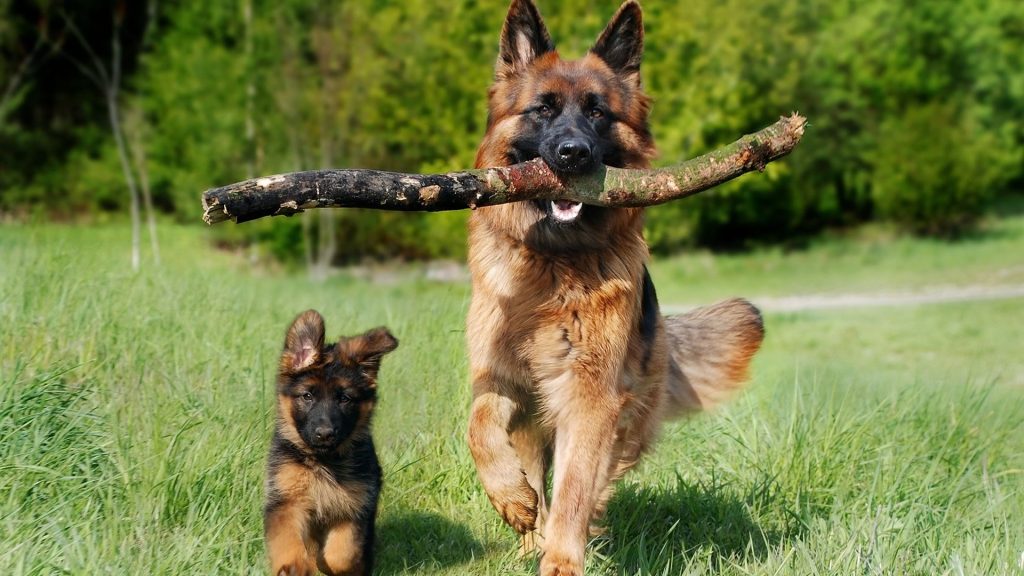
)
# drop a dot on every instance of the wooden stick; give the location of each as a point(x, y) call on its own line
point(287, 194)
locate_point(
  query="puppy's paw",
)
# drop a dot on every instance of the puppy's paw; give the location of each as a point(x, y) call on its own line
point(298, 568)
point(517, 505)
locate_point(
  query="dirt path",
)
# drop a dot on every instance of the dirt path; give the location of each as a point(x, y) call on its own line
point(930, 295)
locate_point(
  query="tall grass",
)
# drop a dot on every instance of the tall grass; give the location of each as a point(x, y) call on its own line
point(135, 412)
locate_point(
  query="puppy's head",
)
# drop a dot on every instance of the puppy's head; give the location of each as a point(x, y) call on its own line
point(326, 392)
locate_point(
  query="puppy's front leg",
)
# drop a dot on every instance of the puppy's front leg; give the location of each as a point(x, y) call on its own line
point(285, 525)
point(347, 551)
point(497, 463)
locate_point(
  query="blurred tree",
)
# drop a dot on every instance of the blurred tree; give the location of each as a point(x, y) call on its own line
point(933, 171)
point(222, 91)
point(22, 54)
point(107, 77)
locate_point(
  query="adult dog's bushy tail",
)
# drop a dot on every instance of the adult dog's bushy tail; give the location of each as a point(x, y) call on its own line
point(710, 353)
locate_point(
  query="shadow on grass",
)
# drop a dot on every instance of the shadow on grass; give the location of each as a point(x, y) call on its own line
point(652, 530)
point(420, 539)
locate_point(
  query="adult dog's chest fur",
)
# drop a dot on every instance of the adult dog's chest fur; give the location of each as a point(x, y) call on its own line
point(547, 315)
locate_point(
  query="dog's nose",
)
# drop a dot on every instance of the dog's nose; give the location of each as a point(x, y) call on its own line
point(323, 433)
point(574, 151)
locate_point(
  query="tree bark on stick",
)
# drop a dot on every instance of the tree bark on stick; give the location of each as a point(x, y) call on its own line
point(287, 194)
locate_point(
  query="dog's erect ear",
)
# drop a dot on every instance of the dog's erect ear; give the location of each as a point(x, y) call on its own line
point(621, 45)
point(523, 38)
point(366, 350)
point(303, 342)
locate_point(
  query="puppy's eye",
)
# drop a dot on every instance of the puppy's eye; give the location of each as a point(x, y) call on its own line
point(595, 113)
point(306, 397)
point(344, 399)
point(544, 111)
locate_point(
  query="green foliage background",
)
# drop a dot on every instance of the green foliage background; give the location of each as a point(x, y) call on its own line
point(916, 108)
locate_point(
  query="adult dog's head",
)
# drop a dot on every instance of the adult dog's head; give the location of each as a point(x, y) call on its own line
point(575, 114)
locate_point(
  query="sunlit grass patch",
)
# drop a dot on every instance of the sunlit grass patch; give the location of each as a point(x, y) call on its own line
point(136, 409)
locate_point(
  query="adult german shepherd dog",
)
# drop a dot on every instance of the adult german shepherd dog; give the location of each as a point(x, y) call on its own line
point(323, 477)
point(571, 361)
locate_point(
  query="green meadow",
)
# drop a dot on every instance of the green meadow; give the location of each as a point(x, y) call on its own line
point(136, 410)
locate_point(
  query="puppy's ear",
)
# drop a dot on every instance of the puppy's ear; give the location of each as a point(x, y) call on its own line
point(303, 342)
point(523, 38)
point(621, 45)
point(366, 350)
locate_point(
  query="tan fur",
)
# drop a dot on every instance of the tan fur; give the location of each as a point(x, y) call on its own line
point(561, 372)
point(286, 544)
point(711, 352)
point(286, 424)
point(341, 554)
point(313, 498)
point(312, 489)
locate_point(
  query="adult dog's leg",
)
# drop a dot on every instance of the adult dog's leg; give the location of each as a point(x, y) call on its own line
point(530, 443)
point(584, 440)
point(497, 463)
point(639, 422)
point(632, 441)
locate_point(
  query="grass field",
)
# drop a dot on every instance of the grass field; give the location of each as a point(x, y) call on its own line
point(135, 412)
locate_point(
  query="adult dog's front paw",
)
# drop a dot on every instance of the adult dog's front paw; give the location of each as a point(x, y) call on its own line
point(517, 505)
point(552, 565)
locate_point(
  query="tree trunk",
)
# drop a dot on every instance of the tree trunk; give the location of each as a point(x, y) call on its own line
point(122, 153)
point(137, 145)
point(109, 83)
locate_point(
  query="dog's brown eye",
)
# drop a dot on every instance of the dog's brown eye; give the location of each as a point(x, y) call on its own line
point(344, 399)
point(596, 113)
point(307, 396)
point(544, 110)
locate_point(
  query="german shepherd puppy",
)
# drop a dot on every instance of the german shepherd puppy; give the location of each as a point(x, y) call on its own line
point(323, 477)
point(571, 361)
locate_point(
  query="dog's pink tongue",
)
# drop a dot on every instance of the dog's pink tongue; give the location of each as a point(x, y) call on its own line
point(565, 210)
